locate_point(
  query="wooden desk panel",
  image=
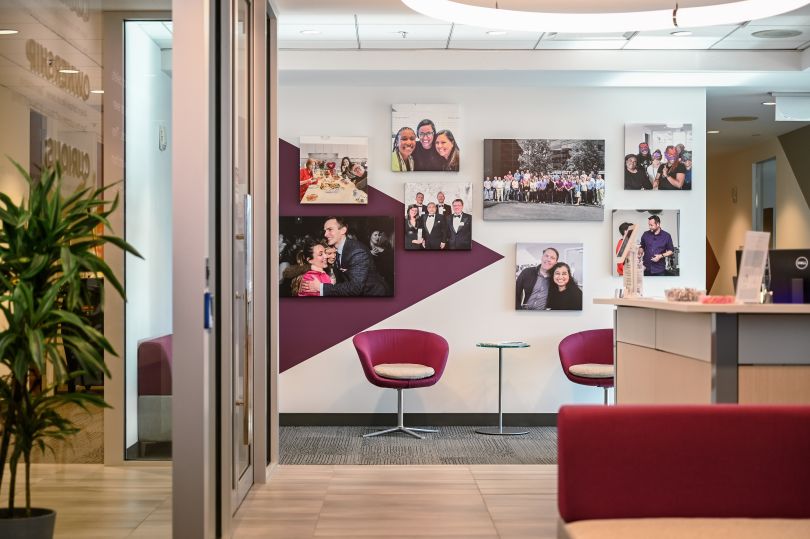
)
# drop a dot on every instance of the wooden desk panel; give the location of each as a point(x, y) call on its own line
point(774, 384)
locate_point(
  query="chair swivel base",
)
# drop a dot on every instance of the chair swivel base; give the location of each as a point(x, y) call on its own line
point(502, 431)
point(400, 428)
point(400, 421)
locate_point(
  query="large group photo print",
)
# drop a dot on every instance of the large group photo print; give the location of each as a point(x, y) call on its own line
point(423, 138)
point(438, 216)
point(549, 276)
point(656, 241)
point(336, 256)
point(333, 170)
point(544, 179)
point(658, 156)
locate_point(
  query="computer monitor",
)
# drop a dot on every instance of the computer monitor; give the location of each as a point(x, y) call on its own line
point(788, 271)
point(790, 275)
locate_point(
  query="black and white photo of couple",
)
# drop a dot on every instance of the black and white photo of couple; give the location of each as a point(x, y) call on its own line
point(336, 256)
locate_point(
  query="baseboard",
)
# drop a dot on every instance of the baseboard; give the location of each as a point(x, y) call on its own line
point(440, 420)
point(149, 451)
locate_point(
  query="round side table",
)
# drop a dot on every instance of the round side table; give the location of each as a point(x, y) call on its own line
point(500, 430)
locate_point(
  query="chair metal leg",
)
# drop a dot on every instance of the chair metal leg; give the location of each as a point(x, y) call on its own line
point(606, 392)
point(400, 422)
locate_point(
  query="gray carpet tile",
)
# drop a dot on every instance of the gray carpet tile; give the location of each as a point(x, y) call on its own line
point(451, 445)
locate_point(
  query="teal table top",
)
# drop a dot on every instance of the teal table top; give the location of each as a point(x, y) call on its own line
point(503, 344)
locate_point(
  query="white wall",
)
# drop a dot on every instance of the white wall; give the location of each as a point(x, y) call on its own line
point(729, 220)
point(533, 381)
point(148, 207)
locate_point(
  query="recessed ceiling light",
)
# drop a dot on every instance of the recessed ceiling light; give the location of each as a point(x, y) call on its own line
point(69, 71)
point(769, 103)
point(739, 118)
point(776, 34)
point(8, 32)
point(96, 91)
point(496, 33)
point(310, 32)
point(713, 132)
point(681, 33)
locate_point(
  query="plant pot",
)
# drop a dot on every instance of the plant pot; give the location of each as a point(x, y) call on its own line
point(38, 526)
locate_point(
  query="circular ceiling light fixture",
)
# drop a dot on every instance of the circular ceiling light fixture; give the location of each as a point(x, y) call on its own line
point(713, 132)
point(8, 32)
point(706, 13)
point(769, 103)
point(739, 118)
point(776, 34)
point(69, 71)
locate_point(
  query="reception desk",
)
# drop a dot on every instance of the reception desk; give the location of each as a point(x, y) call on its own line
point(690, 353)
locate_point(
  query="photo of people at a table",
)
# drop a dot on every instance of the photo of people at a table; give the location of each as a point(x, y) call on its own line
point(423, 139)
point(333, 170)
point(549, 276)
point(438, 216)
point(658, 157)
point(555, 179)
point(657, 236)
point(336, 256)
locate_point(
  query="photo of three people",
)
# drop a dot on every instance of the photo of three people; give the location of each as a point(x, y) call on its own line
point(548, 276)
point(422, 138)
point(438, 216)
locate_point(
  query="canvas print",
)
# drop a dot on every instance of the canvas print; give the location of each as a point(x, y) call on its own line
point(438, 216)
point(658, 156)
point(549, 276)
point(336, 256)
point(532, 179)
point(333, 170)
point(657, 237)
point(424, 138)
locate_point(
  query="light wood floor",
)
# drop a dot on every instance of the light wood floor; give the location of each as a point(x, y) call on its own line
point(506, 502)
point(402, 501)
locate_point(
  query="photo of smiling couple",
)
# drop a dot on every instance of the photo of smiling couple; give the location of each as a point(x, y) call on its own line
point(548, 277)
point(422, 138)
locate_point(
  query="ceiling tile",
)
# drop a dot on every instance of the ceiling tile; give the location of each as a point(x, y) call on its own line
point(669, 42)
point(316, 19)
point(403, 44)
point(500, 44)
point(743, 39)
point(311, 44)
point(582, 45)
point(385, 32)
point(328, 32)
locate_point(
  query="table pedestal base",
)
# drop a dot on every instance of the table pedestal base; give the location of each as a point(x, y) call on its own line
point(502, 431)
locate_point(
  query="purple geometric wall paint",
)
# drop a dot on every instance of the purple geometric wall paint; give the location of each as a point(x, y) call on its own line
point(308, 326)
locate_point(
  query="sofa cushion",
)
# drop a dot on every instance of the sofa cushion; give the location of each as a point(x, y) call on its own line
point(404, 371)
point(683, 528)
point(592, 370)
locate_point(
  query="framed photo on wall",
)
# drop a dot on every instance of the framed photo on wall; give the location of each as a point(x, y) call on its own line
point(549, 276)
point(336, 256)
point(658, 236)
point(658, 156)
point(438, 216)
point(538, 179)
point(333, 170)
point(424, 138)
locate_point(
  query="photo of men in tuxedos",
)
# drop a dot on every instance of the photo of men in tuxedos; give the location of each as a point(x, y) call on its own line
point(434, 228)
point(459, 228)
point(354, 268)
point(440, 226)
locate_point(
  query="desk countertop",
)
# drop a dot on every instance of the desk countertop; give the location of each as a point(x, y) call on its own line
point(694, 307)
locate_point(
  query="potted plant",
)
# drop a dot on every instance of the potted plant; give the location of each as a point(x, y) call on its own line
point(47, 243)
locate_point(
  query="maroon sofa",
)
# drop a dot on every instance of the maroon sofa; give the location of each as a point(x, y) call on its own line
point(155, 389)
point(684, 471)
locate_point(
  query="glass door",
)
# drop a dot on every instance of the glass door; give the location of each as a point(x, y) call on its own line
point(242, 249)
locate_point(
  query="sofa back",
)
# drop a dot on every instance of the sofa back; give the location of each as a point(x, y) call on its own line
point(155, 366)
point(721, 461)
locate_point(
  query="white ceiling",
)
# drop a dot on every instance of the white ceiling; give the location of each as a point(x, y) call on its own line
point(378, 25)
